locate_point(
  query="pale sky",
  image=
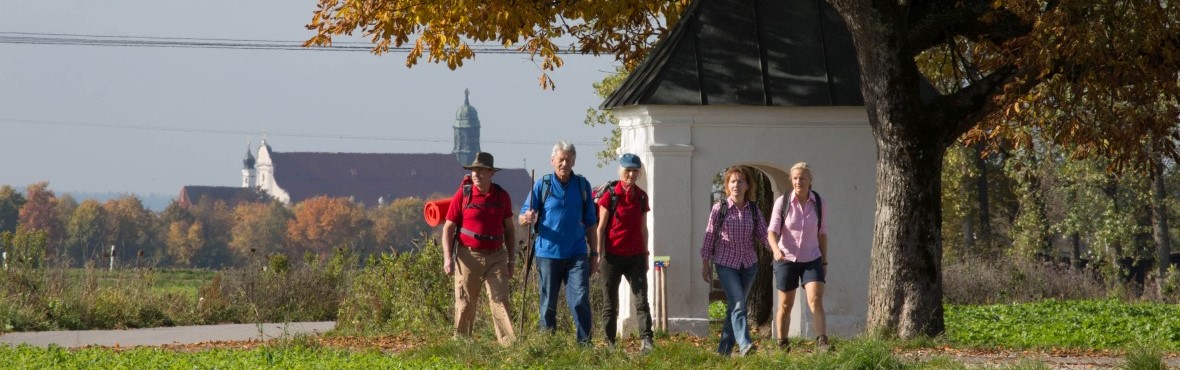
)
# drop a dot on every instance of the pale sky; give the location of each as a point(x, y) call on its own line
point(150, 120)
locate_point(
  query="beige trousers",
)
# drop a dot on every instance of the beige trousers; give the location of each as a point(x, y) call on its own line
point(488, 269)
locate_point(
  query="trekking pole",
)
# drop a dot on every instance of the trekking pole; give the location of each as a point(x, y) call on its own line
point(664, 295)
point(528, 266)
point(660, 301)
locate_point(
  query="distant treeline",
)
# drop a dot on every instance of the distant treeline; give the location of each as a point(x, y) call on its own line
point(39, 228)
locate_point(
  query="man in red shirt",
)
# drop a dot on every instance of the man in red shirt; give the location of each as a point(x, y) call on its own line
point(486, 245)
point(622, 248)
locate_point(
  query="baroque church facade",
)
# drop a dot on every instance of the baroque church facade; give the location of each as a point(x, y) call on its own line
point(369, 178)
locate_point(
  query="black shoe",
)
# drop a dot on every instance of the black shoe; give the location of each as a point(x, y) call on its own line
point(784, 345)
point(647, 346)
point(822, 344)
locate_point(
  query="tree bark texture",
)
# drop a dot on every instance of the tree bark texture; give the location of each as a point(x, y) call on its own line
point(905, 278)
point(1159, 223)
point(985, 218)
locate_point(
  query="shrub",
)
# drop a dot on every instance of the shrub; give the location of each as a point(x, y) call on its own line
point(1144, 358)
point(975, 281)
point(312, 292)
point(400, 292)
point(408, 292)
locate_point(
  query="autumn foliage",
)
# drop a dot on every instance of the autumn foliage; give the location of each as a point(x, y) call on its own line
point(444, 31)
point(322, 223)
point(58, 231)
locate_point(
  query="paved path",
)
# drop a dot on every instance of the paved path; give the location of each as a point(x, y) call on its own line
point(161, 336)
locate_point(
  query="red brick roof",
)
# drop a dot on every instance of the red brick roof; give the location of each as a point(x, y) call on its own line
point(368, 176)
point(232, 196)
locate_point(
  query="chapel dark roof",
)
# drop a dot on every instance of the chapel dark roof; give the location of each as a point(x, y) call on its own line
point(743, 52)
point(232, 196)
point(366, 177)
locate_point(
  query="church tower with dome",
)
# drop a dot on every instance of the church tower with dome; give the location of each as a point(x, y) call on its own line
point(466, 132)
point(248, 168)
point(372, 179)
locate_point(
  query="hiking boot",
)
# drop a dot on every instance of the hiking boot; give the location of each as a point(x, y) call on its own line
point(647, 346)
point(784, 345)
point(822, 344)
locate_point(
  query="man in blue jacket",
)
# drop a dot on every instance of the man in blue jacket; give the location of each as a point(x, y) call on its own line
point(566, 219)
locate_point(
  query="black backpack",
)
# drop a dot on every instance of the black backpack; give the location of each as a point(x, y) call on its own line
point(819, 208)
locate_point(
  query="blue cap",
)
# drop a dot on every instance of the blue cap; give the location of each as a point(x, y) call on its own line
point(629, 160)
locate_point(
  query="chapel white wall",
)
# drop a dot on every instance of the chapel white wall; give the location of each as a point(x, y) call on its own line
point(683, 147)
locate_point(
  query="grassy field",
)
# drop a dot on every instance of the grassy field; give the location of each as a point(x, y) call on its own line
point(1137, 334)
point(398, 294)
point(538, 352)
point(181, 282)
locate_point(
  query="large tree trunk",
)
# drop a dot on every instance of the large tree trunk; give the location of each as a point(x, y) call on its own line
point(985, 229)
point(1159, 223)
point(905, 276)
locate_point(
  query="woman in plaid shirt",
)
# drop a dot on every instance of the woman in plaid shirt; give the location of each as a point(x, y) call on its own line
point(732, 251)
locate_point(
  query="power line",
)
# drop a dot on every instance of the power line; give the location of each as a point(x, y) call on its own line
point(267, 133)
point(36, 38)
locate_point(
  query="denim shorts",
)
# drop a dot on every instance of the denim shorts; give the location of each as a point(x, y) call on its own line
point(789, 275)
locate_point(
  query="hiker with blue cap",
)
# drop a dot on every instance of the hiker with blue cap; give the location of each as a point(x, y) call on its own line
point(622, 247)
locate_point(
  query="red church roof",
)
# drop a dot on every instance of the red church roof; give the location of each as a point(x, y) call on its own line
point(368, 176)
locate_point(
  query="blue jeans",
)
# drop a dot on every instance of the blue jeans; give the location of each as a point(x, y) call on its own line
point(736, 284)
point(575, 274)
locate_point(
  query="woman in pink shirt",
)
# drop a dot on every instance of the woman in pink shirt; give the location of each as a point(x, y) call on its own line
point(730, 239)
point(800, 254)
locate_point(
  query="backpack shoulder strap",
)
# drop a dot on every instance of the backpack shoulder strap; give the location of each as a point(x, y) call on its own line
point(545, 190)
point(585, 188)
point(722, 209)
point(819, 209)
point(756, 213)
point(613, 203)
point(466, 185)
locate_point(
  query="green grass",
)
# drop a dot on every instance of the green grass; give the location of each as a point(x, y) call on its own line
point(539, 351)
point(181, 282)
point(1085, 324)
point(1142, 331)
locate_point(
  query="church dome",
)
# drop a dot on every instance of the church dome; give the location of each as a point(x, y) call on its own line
point(248, 162)
point(466, 116)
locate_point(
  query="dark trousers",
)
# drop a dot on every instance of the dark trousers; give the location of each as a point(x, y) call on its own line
point(634, 268)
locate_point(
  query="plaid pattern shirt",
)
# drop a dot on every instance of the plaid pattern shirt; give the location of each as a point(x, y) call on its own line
point(735, 248)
